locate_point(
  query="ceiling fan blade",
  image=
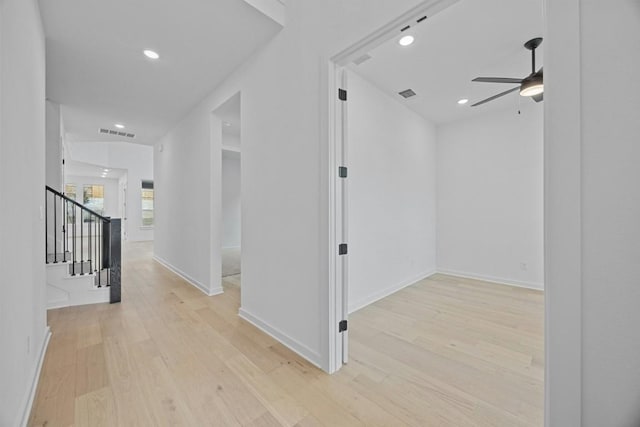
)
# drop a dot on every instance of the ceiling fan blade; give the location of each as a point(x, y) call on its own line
point(497, 80)
point(506, 92)
point(537, 98)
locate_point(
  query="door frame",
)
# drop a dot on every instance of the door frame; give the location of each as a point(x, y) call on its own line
point(562, 200)
point(215, 183)
point(338, 186)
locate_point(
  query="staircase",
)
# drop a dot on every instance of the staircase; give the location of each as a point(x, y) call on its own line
point(83, 253)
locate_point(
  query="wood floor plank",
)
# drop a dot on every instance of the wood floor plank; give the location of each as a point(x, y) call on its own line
point(91, 370)
point(281, 405)
point(96, 409)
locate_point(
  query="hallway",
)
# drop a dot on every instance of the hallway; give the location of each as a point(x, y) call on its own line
point(445, 351)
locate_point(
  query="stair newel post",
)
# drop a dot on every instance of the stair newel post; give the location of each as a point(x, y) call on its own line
point(106, 246)
point(116, 260)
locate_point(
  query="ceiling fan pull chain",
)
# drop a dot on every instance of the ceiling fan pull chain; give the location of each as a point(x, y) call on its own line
point(519, 105)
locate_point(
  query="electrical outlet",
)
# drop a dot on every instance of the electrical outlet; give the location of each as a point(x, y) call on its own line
point(523, 266)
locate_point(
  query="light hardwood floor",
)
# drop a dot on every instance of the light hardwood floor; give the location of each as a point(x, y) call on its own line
point(443, 352)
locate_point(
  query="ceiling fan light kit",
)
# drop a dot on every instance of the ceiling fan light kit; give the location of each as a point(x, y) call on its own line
point(531, 86)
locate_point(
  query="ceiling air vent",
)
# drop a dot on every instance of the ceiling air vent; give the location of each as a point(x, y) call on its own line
point(407, 93)
point(117, 133)
point(363, 58)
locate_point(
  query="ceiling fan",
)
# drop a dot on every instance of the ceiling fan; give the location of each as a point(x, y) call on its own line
point(531, 86)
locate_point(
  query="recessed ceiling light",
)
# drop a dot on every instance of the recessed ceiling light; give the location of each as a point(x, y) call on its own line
point(406, 40)
point(463, 101)
point(227, 124)
point(119, 126)
point(106, 170)
point(151, 54)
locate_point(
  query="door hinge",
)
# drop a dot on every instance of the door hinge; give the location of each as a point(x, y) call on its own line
point(63, 161)
point(342, 249)
point(342, 172)
point(342, 94)
point(342, 326)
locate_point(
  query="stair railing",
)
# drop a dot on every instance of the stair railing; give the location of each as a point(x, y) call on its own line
point(84, 239)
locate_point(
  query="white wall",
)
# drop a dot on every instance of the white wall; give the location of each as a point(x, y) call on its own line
point(183, 196)
point(591, 215)
point(392, 194)
point(53, 146)
point(610, 213)
point(231, 199)
point(122, 185)
point(231, 140)
point(490, 196)
point(137, 159)
point(111, 207)
point(23, 330)
point(284, 90)
point(53, 170)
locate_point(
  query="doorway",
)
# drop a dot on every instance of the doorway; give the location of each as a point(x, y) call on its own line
point(229, 114)
point(431, 188)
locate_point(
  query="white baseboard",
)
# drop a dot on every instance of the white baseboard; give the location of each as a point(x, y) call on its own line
point(363, 302)
point(292, 344)
point(26, 411)
point(193, 282)
point(492, 279)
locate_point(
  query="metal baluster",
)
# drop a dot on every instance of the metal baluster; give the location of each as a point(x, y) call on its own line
point(95, 245)
point(55, 231)
point(98, 262)
point(89, 241)
point(73, 243)
point(101, 247)
point(81, 243)
point(46, 226)
point(99, 258)
point(64, 231)
point(67, 231)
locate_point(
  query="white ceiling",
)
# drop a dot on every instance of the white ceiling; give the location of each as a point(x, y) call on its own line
point(95, 171)
point(472, 38)
point(97, 72)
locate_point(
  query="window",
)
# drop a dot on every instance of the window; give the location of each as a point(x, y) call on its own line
point(71, 192)
point(147, 203)
point(93, 198)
